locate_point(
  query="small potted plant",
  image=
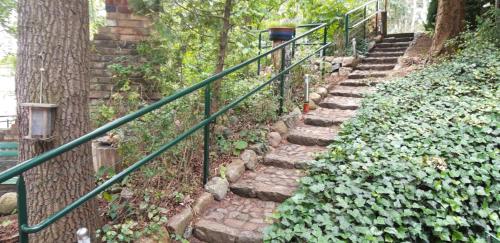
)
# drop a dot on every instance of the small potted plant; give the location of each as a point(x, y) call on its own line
point(281, 31)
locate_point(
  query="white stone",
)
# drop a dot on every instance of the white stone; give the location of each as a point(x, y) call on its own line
point(235, 170)
point(249, 157)
point(274, 139)
point(8, 202)
point(218, 187)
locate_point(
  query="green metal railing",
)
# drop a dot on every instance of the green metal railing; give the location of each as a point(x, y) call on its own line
point(25, 229)
point(359, 17)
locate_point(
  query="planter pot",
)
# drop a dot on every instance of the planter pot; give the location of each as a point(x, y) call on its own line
point(281, 33)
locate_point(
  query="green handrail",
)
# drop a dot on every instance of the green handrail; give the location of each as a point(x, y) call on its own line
point(365, 18)
point(18, 170)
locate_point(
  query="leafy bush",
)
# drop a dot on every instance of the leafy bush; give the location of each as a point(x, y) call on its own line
point(473, 8)
point(418, 164)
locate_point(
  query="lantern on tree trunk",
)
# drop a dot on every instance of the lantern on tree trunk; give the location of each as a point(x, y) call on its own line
point(41, 115)
point(41, 120)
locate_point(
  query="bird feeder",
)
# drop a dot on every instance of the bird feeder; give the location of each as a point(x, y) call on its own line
point(41, 120)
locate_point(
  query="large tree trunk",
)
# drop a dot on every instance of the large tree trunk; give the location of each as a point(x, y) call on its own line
point(58, 31)
point(223, 40)
point(449, 23)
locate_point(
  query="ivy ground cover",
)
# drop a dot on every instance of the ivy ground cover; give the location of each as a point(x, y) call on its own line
point(418, 164)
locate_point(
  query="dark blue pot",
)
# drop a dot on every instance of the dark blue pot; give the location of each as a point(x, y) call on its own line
point(281, 33)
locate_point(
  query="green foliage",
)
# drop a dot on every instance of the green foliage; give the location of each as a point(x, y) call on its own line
point(7, 14)
point(276, 24)
point(430, 24)
point(418, 164)
point(473, 9)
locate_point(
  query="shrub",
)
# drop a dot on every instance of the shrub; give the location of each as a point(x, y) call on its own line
point(418, 164)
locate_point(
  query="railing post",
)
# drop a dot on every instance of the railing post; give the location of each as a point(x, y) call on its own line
point(364, 24)
point(260, 48)
point(346, 33)
point(376, 17)
point(82, 235)
point(22, 215)
point(323, 52)
point(206, 136)
point(282, 81)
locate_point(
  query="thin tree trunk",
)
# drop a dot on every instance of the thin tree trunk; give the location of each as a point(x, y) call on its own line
point(221, 54)
point(449, 23)
point(58, 31)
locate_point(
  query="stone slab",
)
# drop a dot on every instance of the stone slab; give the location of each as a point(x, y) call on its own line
point(325, 117)
point(235, 219)
point(340, 102)
point(268, 183)
point(312, 136)
point(349, 91)
point(292, 156)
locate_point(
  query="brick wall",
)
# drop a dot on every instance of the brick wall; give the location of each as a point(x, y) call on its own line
point(116, 40)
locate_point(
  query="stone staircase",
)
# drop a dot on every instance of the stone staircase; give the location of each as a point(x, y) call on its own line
point(244, 213)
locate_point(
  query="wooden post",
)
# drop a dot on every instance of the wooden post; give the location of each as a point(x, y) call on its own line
point(383, 23)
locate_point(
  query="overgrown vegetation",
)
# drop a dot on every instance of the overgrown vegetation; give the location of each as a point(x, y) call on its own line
point(180, 53)
point(473, 8)
point(418, 164)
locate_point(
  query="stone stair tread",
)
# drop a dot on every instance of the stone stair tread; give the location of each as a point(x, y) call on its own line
point(341, 102)
point(361, 82)
point(385, 54)
point(380, 60)
point(393, 39)
point(351, 91)
point(292, 156)
point(375, 66)
point(234, 219)
point(268, 183)
point(394, 44)
point(389, 49)
point(361, 74)
point(311, 135)
point(325, 117)
point(400, 35)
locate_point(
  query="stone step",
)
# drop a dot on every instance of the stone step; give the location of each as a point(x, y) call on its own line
point(389, 49)
point(312, 136)
point(395, 44)
point(339, 102)
point(268, 183)
point(234, 219)
point(385, 54)
point(378, 67)
point(366, 74)
point(290, 156)
point(400, 35)
point(380, 60)
point(324, 117)
point(397, 39)
point(348, 91)
point(360, 82)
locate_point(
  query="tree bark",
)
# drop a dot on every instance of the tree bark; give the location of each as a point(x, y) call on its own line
point(57, 31)
point(223, 40)
point(449, 23)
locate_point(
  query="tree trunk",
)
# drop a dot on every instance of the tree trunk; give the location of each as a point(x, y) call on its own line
point(58, 32)
point(449, 23)
point(223, 40)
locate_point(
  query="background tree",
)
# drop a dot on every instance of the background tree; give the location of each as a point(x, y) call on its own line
point(7, 12)
point(58, 32)
point(449, 23)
